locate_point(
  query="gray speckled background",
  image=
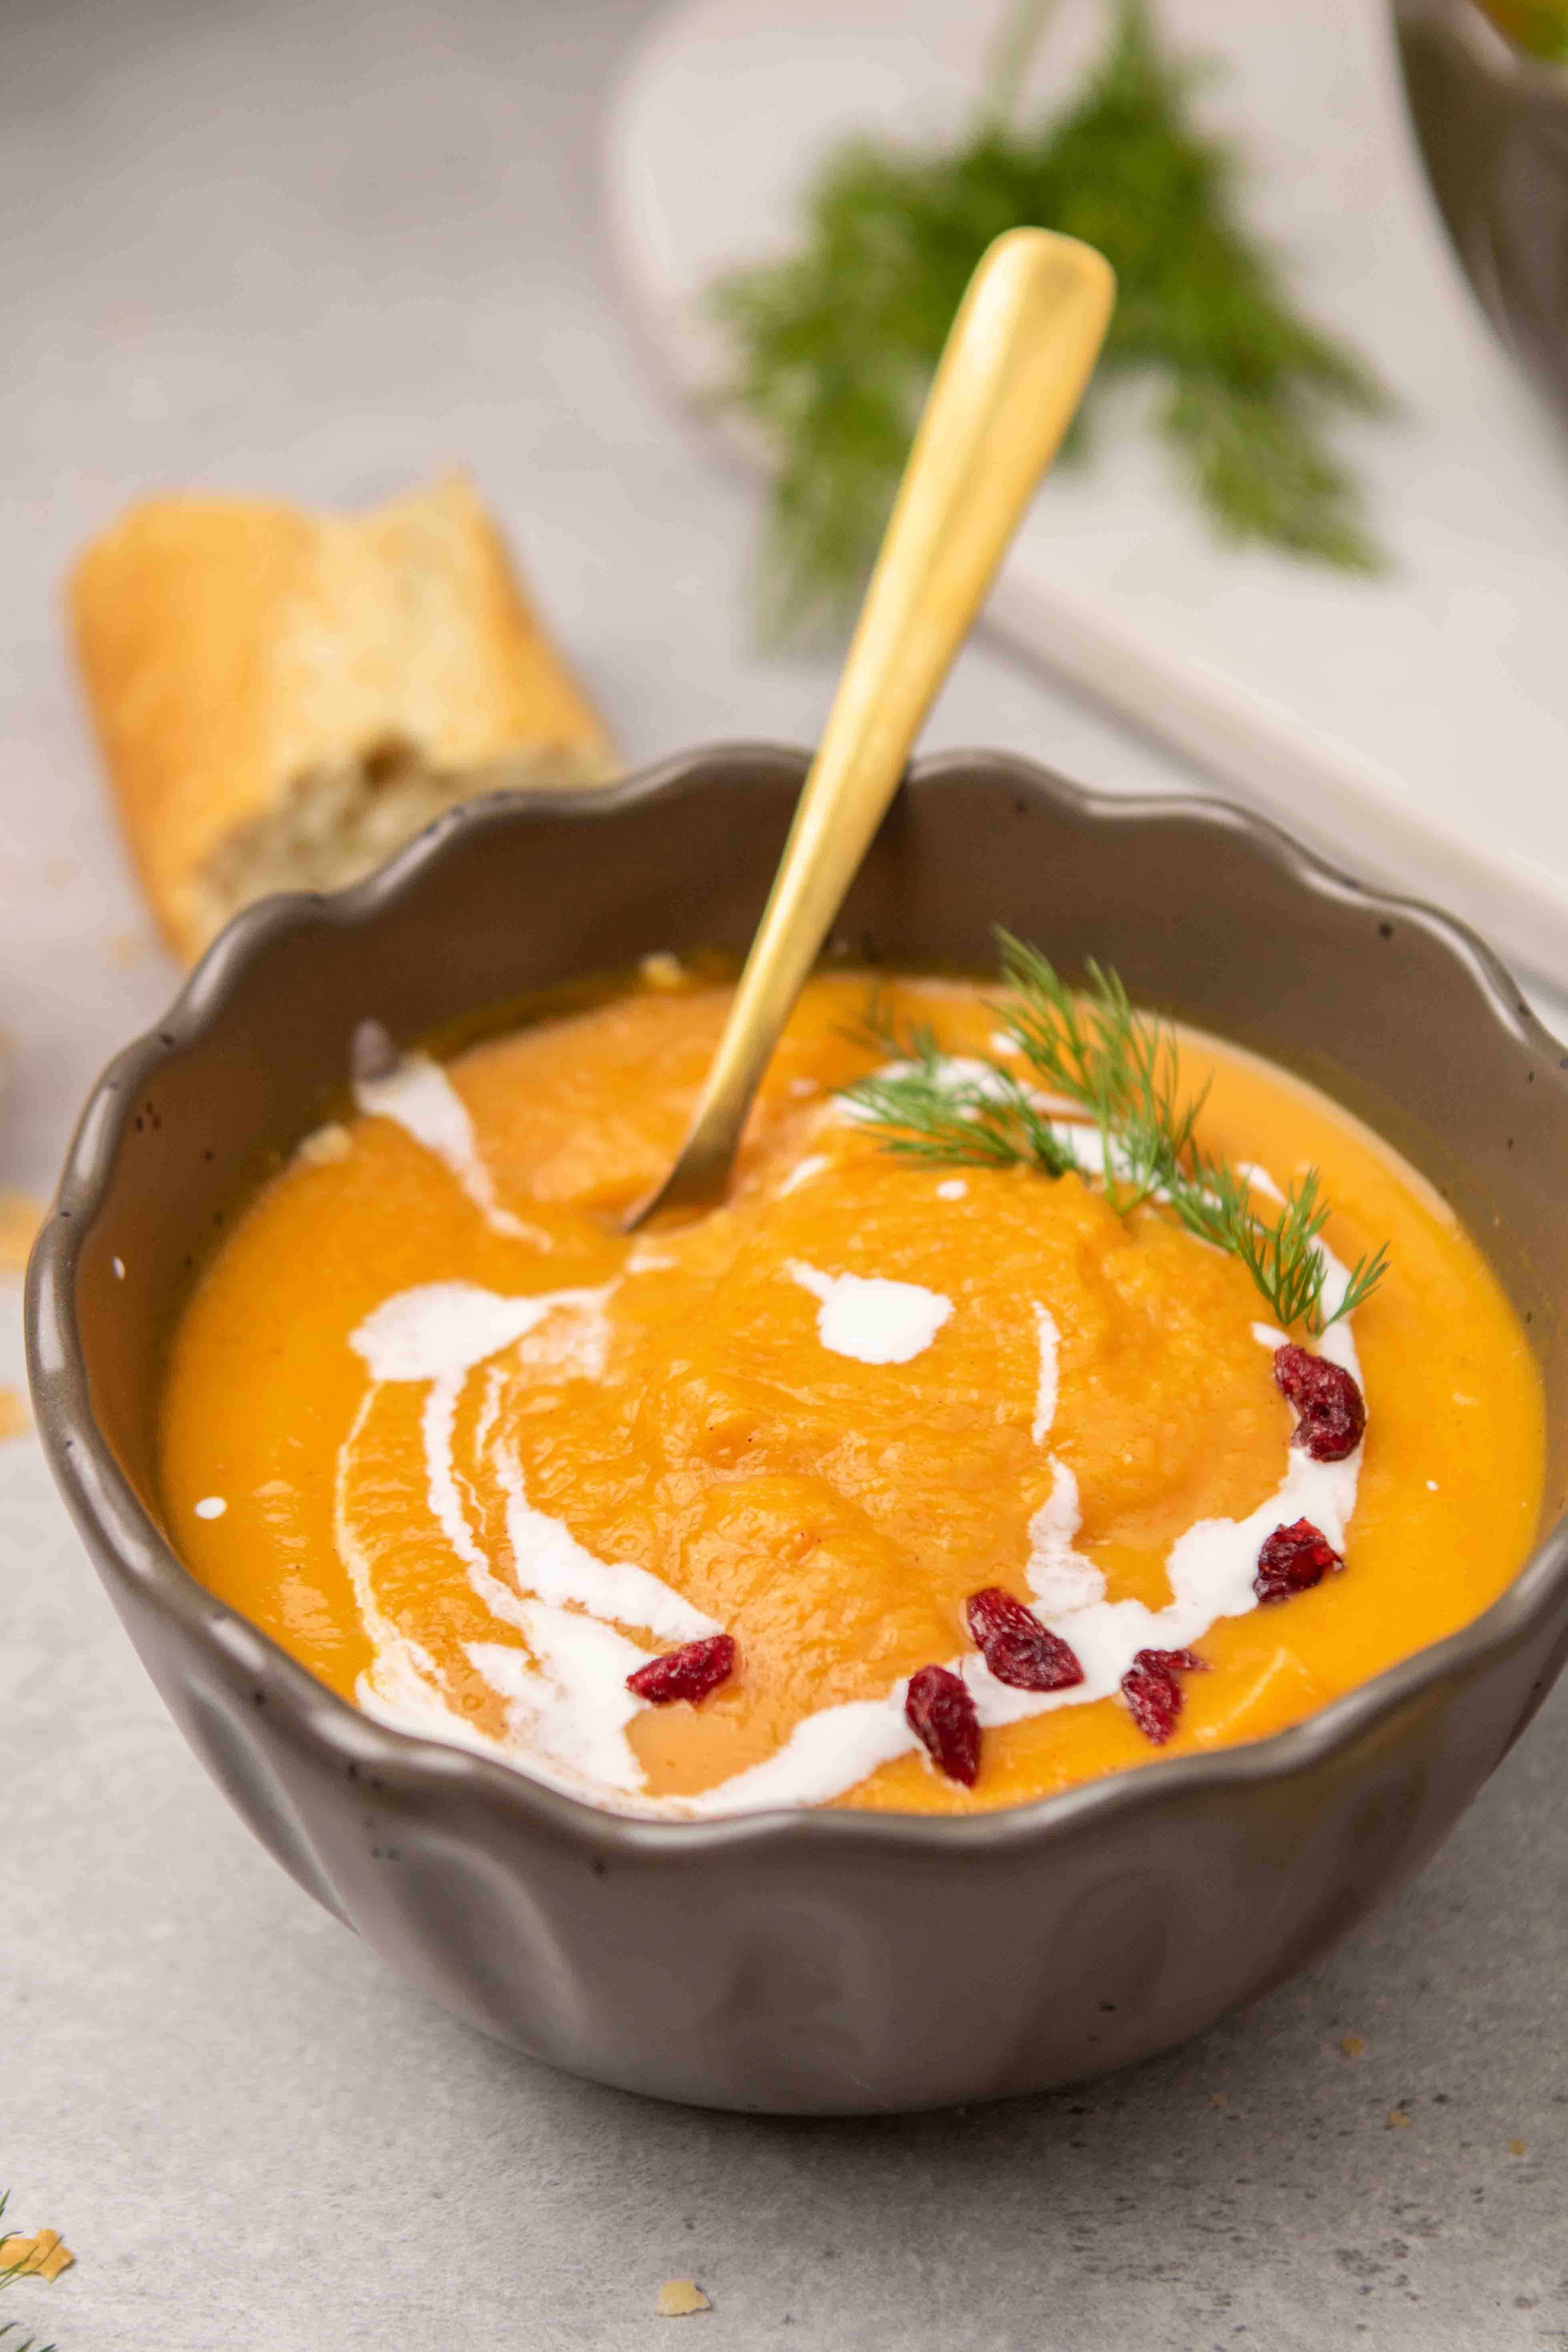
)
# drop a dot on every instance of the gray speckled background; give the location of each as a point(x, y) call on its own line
point(322, 248)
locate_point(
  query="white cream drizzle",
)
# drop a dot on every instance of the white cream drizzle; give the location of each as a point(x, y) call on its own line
point(1061, 1579)
point(1050, 1340)
point(1071, 1123)
point(826, 1753)
point(803, 1172)
point(421, 1098)
point(550, 1561)
point(402, 1685)
point(569, 1702)
point(870, 1318)
point(644, 1259)
point(566, 1701)
point(1210, 1566)
point(954, 1070)
point(450, 1327)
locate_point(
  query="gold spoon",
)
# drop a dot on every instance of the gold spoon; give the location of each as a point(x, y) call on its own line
point(1017, 359)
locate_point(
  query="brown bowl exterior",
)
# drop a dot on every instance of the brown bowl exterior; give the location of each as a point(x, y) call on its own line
point(1491, 123)
point(819, 1962)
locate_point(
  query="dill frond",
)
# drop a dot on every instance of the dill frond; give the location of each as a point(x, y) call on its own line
point(1120, 1068)
point(833, 347)
point(936, 1111)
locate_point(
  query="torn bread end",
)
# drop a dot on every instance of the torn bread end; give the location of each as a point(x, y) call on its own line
point(283, 698)
point(336, 825)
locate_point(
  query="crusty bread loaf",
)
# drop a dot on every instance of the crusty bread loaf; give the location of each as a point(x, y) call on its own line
point(283, 698)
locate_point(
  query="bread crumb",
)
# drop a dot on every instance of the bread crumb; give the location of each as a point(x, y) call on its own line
point(14, 1420)
point(326, 1144)
point(124, 948)
point(20, 1218)
point(43, 2255)
point(1218, 2099)
point(679, 2297)
point(1517, 2148)
point(663, 970)
point(1354, 2046)
point(1398, 2120)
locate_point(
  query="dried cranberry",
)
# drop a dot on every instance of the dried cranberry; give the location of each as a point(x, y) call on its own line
point(1330, 1411)
point(1017, 1647)
point(1293, 1560)
point(1173, 1661)
point(1154, 1694)
point(940, 1713)
point(690, 1672)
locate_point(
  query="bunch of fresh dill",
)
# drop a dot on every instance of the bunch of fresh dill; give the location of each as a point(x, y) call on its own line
point(833, 347)
point(1097, 1055)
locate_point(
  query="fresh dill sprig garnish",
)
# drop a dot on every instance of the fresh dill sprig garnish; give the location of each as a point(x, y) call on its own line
point(1093, 1052)
point(1102, 1056)
point(832, 348)
point(987, 1119)
point(10, 2272)
point(1282, 1257)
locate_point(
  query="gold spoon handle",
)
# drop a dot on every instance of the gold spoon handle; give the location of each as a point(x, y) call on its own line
point(1012, 373)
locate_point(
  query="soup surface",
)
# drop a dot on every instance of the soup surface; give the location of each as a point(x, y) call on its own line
point(476, 1459)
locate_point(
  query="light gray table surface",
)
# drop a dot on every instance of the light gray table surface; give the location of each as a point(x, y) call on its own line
point(323, 249)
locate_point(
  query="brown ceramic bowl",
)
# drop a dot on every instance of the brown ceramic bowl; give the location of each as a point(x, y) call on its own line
point(1491, 122)
point(815, 1962)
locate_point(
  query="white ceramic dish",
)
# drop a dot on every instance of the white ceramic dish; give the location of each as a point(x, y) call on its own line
point(1412, 726)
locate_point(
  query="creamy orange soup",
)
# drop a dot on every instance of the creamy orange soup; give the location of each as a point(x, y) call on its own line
point(477, 1461)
